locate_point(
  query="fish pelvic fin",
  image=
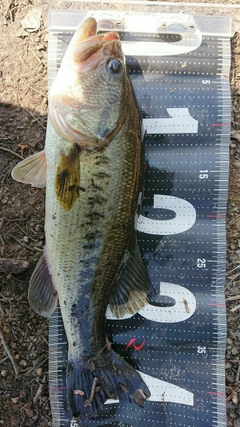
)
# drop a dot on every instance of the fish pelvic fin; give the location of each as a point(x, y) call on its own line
point(67, 181)
point(89, 385)
point(32, 170)
point(42, 295)
point(132, 285)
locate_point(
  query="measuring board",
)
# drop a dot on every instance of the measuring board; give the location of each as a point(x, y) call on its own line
point(180, 72)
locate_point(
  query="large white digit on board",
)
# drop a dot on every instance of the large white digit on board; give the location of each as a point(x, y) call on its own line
point(184, 219)
point(184, 307)
point(162, 391)
point(162, 49)
point(180, 121)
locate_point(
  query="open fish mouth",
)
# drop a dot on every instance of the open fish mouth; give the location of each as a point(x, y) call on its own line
point(87, 48)
point(88, 53)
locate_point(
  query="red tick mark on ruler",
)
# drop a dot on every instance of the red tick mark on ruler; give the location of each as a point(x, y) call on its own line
point(216, 393)
point(214, 304)
point(221, 124)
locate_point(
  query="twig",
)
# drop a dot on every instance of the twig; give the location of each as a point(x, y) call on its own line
point(23, 421)
point(30, 87)
point(1, 239)
point(233, 277)
point(235, 308)
point(10, 151)
point(31, 238)
point(232, 394)
point(3, 182)
point(20, 243)
point(29, 112)
point(8, 11)
point(231, 271)
point(238, 374)
point(16, 370)
point(233, 298)
point(35, 56)
point(35, 118)
point(3, 360)
point(44, 339)
point(38, 249)
point(89, 401)
point(39, 392)
point(233, 220)
point(30, 370)
point(25, 246)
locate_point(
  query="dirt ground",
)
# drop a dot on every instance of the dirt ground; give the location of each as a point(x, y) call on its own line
point(24, 399)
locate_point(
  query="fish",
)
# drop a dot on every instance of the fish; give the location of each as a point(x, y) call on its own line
point(91, 168)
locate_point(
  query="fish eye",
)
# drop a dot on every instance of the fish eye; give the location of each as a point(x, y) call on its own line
point(115, 65)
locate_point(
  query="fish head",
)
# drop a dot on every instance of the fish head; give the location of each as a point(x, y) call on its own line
point(87, 99)
point(88, 50)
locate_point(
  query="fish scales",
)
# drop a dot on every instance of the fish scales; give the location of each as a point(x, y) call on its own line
point(91, 167)
point(67, 233)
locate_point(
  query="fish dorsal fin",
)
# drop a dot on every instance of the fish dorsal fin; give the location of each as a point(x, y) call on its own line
point(42, 295)
point(131, 286)
point(32, 170)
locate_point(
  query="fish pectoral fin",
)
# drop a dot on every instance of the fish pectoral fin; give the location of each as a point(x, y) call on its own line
point(42, 295)
point(32, 170)
point(131, 286)
point(67, 181)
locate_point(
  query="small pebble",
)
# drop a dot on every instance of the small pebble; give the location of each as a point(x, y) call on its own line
point(234, 351)
point(22, 363)
point(4, 373)
point(235, 399)
point(25, 239)
point(39, 371)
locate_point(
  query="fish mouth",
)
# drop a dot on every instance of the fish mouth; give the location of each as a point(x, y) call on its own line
point(89, 49)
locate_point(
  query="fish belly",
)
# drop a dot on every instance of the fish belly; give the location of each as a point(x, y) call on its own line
point(85, 245)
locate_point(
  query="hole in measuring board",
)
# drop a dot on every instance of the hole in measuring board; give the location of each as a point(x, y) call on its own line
point(108, 25)
point(162, 301)
point(158, 214)
point(174, 28)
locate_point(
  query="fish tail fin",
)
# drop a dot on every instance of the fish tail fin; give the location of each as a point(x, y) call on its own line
point(90, 384)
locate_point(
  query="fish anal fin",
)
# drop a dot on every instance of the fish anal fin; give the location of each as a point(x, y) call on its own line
point(32, 170)
point(42, 295)
point(67, 181)
point(132, 285)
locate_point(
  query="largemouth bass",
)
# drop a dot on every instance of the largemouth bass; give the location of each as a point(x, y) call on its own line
point(91, 169)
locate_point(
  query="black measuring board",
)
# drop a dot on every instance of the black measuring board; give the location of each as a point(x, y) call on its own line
point(177, 342)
